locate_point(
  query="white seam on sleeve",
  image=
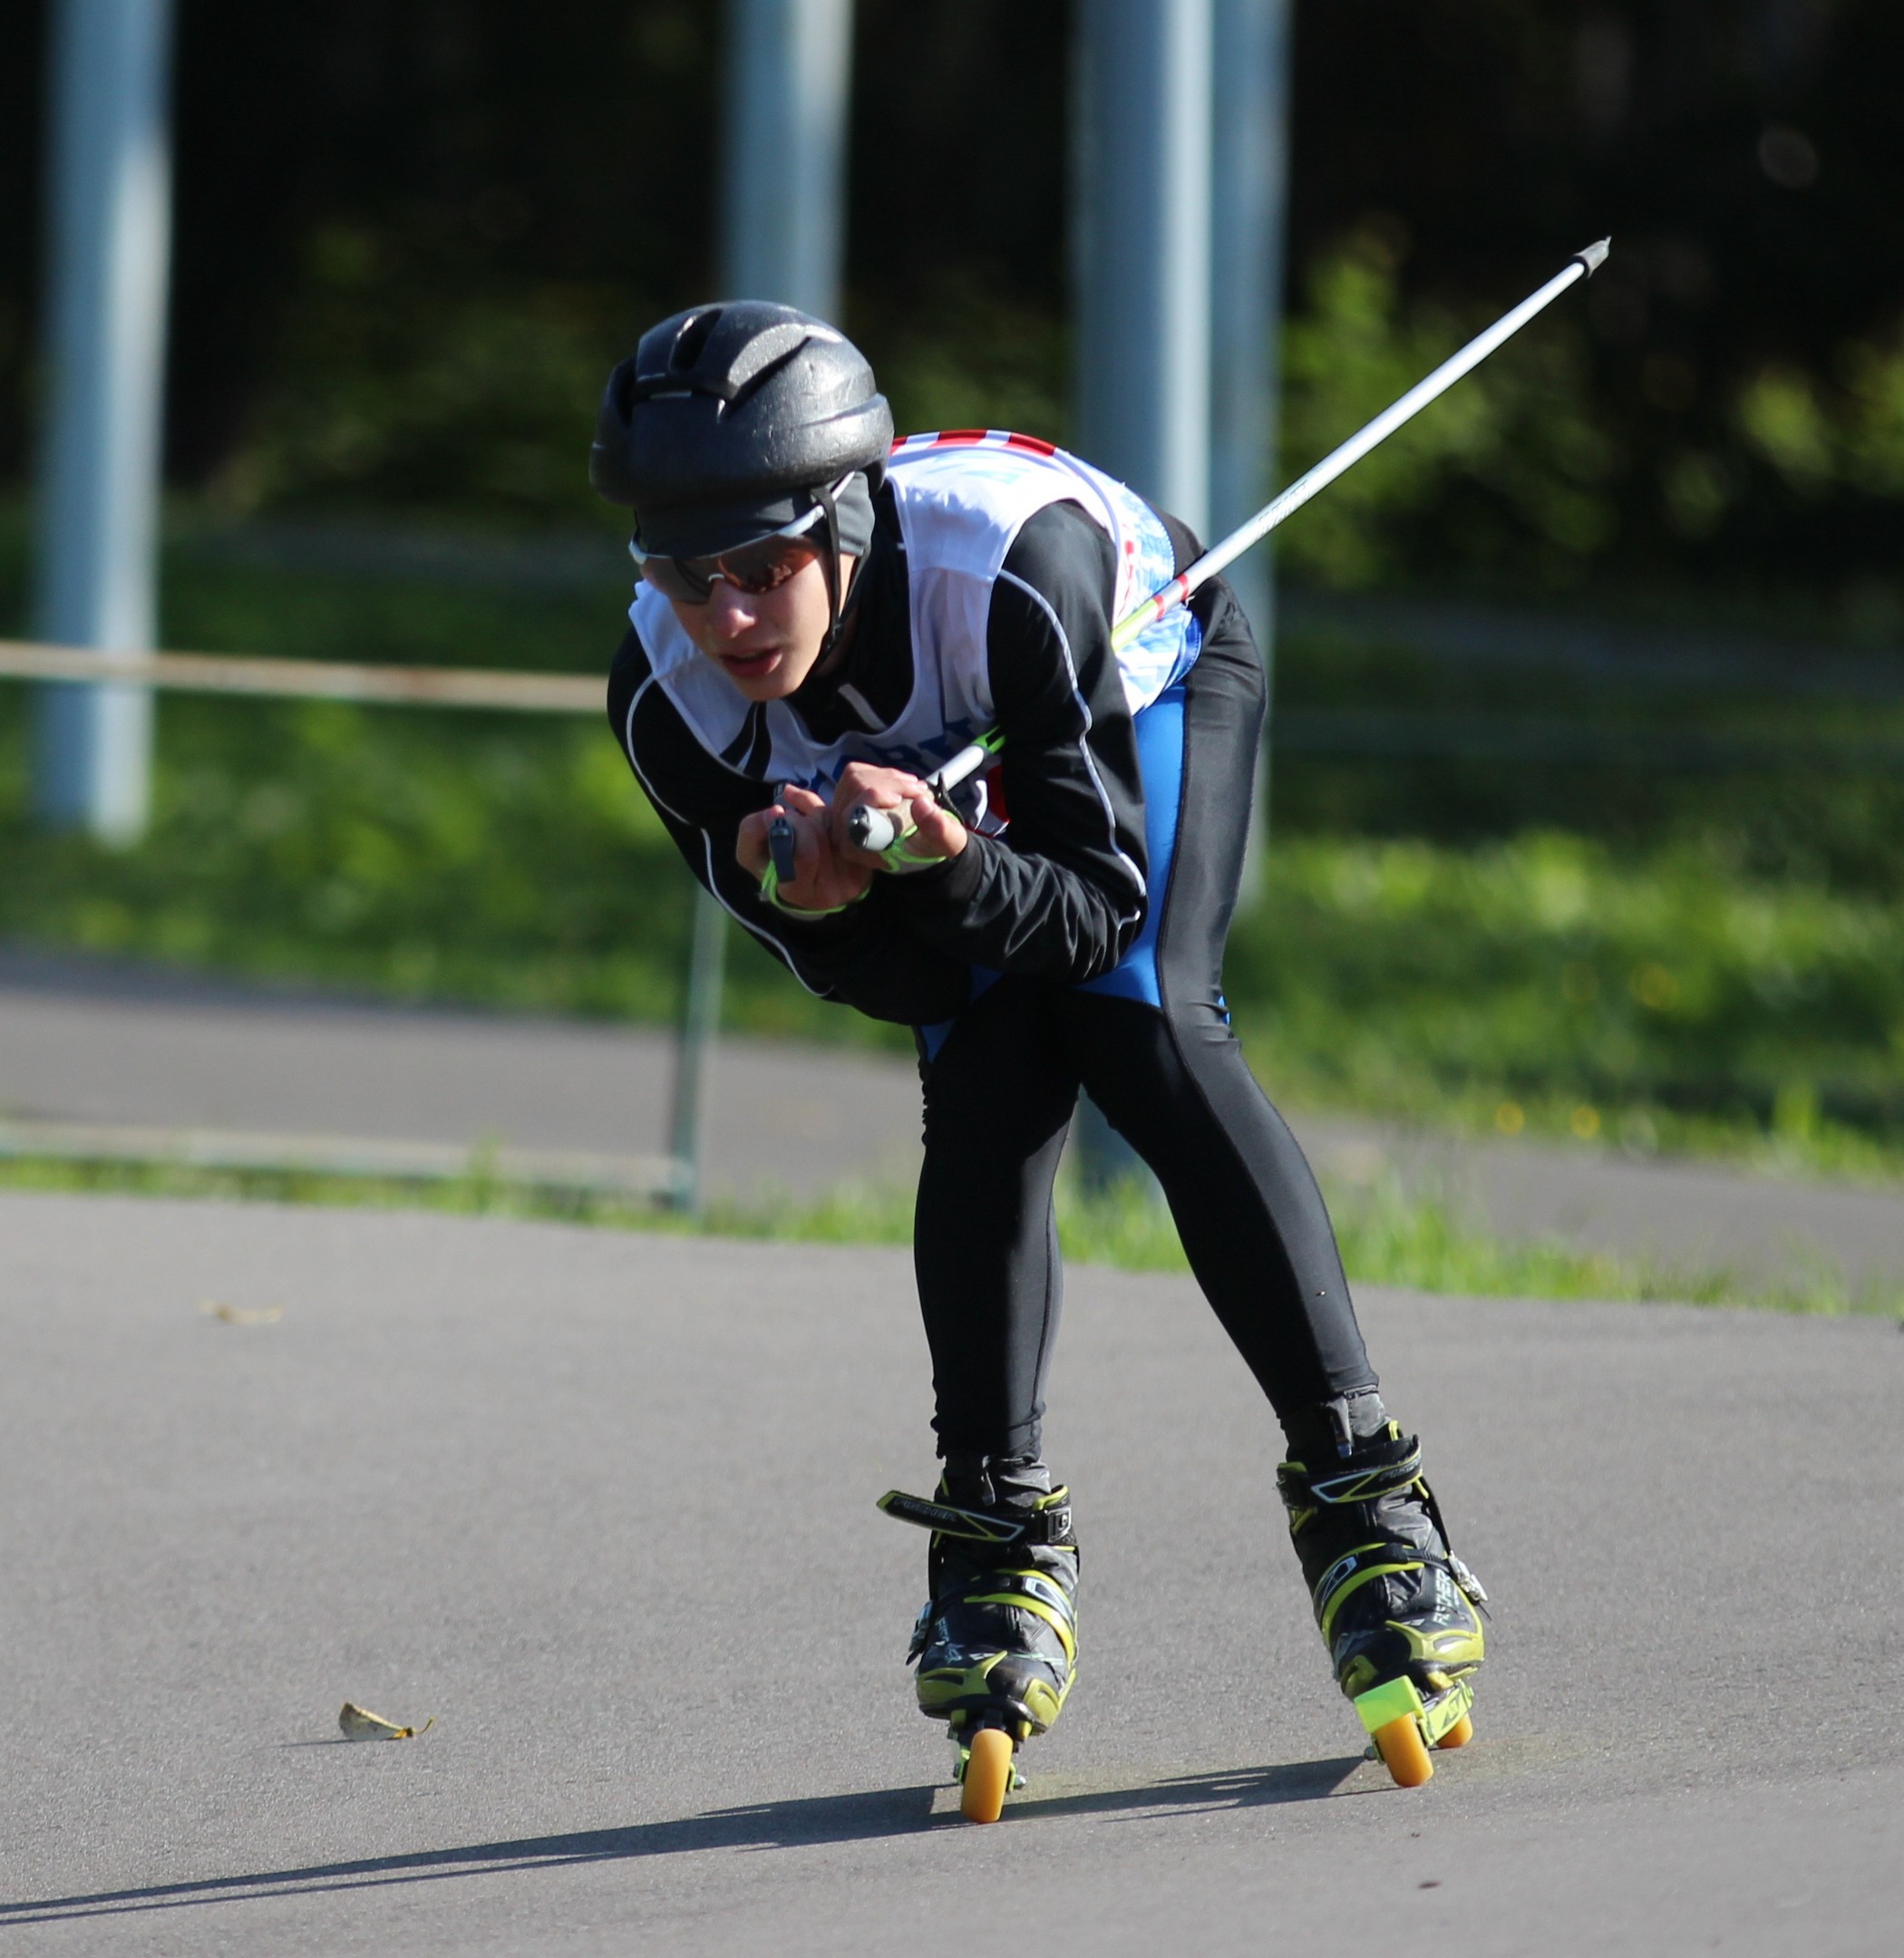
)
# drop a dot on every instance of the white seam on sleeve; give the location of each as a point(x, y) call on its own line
point(628, 743)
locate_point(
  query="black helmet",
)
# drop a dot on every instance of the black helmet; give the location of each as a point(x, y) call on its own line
point(729, 422)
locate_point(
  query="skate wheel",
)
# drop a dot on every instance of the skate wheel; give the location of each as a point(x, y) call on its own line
point(988, 1775)
point(1400, 1745)
point(1457, 1735)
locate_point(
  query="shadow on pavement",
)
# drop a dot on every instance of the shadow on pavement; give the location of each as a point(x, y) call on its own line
point(784, 1825)
point(1235, 1788)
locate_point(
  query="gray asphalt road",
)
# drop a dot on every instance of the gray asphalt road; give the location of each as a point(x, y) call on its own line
point(87, 1040)
point(603, 1506)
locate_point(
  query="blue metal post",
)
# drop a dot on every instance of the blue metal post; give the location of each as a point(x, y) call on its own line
point(1141, 241)
point(109, 245)
point(783, 229)
point(1140, 246)
point(1248, 203)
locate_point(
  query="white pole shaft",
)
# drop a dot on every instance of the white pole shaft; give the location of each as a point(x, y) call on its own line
point(879, 830)
point(1384, 425)
point(108, 248)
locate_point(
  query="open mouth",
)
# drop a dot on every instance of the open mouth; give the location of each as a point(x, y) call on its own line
point(751, 665)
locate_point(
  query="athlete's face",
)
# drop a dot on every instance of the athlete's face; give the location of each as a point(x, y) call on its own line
point(766, 642)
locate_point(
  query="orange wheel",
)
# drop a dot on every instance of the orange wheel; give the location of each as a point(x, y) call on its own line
point(1457, 1735)
point(988, 1775)
point(1399, 1743)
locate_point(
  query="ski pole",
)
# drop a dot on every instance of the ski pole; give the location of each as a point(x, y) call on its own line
point(878, 829)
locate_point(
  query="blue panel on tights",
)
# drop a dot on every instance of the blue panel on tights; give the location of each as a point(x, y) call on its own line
point(1160, 756)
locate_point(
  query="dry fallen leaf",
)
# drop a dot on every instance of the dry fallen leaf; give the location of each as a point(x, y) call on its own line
point(355, 1724)
point(241, 1314)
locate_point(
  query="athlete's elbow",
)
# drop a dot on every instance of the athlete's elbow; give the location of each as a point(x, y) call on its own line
point(1104, 940)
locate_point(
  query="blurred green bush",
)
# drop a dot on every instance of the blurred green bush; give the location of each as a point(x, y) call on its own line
point(391, 389)
point(388, 389)
point(1506, 472)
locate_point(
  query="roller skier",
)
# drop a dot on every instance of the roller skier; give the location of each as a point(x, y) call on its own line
point(823, 620)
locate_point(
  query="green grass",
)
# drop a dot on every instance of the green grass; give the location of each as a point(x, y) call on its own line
point(1392, 1236)
point(1388, 1236)
point(1648, 996)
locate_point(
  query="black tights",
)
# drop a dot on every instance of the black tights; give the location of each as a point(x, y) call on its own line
point(1172, 1079)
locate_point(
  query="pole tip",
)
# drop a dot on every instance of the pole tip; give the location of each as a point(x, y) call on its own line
point(1595, 255)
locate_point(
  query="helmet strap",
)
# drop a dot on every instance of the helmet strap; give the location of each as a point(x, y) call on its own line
point(847, 519)
point(829, 562)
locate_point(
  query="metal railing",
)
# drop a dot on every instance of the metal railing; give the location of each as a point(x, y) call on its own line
point(675, 1179)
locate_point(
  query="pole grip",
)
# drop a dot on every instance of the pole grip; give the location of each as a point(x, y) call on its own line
point(870, 828)
point(878, 829)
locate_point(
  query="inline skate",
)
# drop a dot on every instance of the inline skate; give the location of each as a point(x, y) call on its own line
point(995, 1645)
point(1400, 1614)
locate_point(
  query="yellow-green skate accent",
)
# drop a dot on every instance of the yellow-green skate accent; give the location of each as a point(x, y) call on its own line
point(1398, 1699)
point(948, 1520)
point(1406, 1731)
point(1339, 1591)
point(997, 1641)
point(1446, 1711)
point(1401, 1699)
point(951, 1693)
point(1034, 1593)
point(1446, 1653)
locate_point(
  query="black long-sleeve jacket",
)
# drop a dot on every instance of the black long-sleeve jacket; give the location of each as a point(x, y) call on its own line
point(1060, 894)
